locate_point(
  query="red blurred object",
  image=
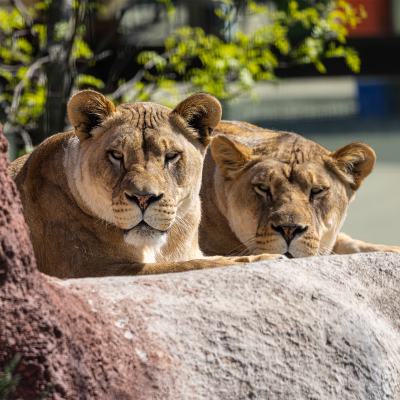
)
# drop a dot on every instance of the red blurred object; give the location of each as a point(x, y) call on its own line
point(379, 21)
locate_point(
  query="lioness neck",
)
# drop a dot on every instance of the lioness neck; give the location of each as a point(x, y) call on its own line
point(215, 219)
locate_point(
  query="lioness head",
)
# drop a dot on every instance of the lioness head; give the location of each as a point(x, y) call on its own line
point(138, 166)
point(286, 194)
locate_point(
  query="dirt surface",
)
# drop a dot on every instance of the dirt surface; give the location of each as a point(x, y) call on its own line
point(61, 340)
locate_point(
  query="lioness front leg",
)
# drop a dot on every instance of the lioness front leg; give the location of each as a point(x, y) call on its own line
point(203, 263)
point(347, 245)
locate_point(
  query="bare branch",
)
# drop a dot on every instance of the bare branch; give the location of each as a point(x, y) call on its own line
point(77, 19)
point(28, 19)
point(111, 32)
point(22, 9)
point(104, 54)
point(10, 68)
point(18, 89)
point(27, 140)
point(128, 85)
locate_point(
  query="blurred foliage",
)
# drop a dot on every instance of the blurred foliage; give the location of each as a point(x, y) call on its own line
point(25, 53)
point(230, 65)
point(9, 381)
point(227, 65)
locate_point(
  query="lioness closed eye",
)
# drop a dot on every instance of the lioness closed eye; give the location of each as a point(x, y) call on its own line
point(120, 193)
point(277, 192)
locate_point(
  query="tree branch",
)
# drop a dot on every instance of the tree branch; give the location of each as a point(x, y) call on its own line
point(76, 21)
point(111, 33)
point(22, 9)
point(10, 68)
point(18, 89)
point(127, 85)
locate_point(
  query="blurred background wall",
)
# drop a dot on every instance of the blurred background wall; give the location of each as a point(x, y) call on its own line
point(332, 109)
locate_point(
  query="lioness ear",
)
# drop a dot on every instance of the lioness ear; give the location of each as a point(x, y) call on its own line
point(230, 155)
point(354, 162)
point(202, 113)
point(88, 109)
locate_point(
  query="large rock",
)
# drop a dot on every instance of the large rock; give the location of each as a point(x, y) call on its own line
point(316, 328)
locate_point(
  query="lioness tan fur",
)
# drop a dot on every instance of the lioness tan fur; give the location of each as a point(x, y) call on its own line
point(119, 194)
point(276, 192)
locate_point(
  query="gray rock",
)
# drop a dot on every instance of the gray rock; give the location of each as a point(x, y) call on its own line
point(314, 328)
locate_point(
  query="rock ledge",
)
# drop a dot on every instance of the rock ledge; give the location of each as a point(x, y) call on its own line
point(320, 328)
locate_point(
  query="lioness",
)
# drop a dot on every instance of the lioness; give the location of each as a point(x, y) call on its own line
point(277, 192)
point(119, 194)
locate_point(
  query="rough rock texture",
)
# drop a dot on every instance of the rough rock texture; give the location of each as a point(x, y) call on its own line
point(61, 341)
point(317, 328)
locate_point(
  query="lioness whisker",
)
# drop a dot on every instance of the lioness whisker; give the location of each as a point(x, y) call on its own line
point(252, 250)
point(244, 252)
point(243, 244)
point(328, 248)
point(236, 250)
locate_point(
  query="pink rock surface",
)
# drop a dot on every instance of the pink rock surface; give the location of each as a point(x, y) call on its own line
point(61, 341)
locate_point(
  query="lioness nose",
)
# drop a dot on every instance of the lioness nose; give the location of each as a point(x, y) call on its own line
point(143, 200)
point(289, 231)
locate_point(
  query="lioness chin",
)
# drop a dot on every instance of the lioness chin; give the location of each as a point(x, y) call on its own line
point(276, 192)
point(119, 194)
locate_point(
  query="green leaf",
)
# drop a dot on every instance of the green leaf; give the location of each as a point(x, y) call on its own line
point(320, 67)
point(42, 5)
point(169, 6)
point(88, 80)
point(41, 30)
point(8, 382)
point(6, 74)
point(98, 6)
point(61, 31)
point(81, 49)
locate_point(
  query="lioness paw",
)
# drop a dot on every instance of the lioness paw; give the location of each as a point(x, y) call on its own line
point(391, 249)
point(258, 257)
point(268, 257)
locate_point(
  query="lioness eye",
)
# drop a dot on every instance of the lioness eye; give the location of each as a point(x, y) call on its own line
point(262, 190)
point(316, 190)
point(171, 156)
point(117, 155)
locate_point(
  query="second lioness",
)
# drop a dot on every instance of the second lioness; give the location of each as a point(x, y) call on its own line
point(276, 192)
